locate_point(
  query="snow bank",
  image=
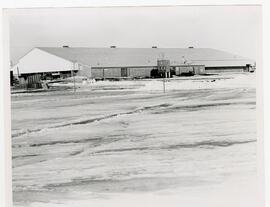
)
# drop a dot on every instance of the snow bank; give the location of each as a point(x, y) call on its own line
point(226, 80)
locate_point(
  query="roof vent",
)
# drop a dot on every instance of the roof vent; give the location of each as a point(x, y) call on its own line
point(191, 47)
point(113, 46)
point(65, 46)
point(154, 46)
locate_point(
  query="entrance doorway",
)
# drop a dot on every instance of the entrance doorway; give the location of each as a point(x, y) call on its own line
point(124, 72)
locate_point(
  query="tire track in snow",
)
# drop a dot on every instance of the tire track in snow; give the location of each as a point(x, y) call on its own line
point(170, 107)
point(208, 143)
point(87, 121)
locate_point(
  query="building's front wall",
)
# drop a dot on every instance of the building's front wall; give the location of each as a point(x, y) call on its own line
point(183, 69)
point(112, 72)
point(199, 69)
point(37, 61)
point(225, 69)
point(196, 69)
point(97, 73)
point(84, 70)
point(140, 72)
point(132, 72)
point(106, 72)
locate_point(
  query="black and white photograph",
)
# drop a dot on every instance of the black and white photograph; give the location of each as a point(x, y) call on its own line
point(135, 106)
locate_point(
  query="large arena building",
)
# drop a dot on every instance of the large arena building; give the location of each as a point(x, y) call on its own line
point(116, 62)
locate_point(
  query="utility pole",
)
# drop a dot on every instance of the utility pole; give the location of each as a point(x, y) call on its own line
point(163, 84)
point(163, 67)
point(74, 86)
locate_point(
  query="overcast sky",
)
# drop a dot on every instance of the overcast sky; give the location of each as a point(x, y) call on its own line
point(234, 29)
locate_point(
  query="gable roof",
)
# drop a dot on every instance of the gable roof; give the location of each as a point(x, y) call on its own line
point(128, 57)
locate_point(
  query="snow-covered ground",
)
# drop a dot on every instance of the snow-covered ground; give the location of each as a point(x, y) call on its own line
point(128, 143)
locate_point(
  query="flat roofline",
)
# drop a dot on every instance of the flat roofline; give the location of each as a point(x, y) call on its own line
point(230, 66)
point(151, 66)
point(33, 73)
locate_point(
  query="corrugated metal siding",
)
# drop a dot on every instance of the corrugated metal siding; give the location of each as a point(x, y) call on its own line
point(34, 78)
point(30, 81)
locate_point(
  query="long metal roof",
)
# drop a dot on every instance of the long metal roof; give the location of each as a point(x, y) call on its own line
point(128, 57)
